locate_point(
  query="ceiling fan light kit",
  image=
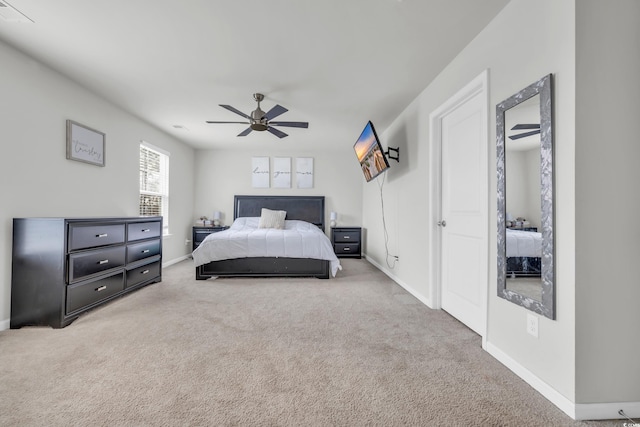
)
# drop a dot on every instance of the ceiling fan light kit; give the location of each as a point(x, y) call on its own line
point(261, 121)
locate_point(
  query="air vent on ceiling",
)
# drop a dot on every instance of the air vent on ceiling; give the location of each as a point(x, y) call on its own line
point(9, 13)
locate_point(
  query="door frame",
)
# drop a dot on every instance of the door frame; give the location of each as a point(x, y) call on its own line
point(478, 86)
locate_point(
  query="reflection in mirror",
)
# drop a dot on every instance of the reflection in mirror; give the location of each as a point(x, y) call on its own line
point(525, 198)
point(523, 207)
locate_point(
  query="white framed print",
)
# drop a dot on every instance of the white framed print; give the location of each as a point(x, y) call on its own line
point(282, 172)
point(260, 172)
point(85, 144)
point(304, 172)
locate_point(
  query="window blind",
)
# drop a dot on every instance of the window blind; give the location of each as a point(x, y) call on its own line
point(154, 183)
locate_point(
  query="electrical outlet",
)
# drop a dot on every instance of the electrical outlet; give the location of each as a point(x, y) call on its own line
point(186, 242)
point(532, 325)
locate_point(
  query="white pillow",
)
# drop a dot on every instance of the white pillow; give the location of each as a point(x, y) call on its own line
point(272, 219)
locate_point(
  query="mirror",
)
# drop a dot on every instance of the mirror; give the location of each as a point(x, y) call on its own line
point(524, 139)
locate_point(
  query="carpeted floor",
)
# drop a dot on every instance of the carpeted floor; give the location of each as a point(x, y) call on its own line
point(352, 351)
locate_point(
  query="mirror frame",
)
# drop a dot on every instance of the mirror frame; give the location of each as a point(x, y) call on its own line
point(546, 307)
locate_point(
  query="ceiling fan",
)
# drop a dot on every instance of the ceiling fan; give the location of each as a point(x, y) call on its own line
point(524, 127)
point(261, 121)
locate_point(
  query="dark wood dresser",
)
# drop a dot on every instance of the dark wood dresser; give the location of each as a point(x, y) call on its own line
point(63, 267)
point(347, 241)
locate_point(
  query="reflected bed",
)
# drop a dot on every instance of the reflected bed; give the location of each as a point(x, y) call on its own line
point(524, 253)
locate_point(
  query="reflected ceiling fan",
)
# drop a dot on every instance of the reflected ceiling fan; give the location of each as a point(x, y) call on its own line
point(261, 121)
point(525, 127)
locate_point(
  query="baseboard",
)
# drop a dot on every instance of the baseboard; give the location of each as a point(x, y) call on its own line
point(580, 411)
point(175, 261)
point(4, 324)
point(426, 301)
point(609, 411)
point(564, 404)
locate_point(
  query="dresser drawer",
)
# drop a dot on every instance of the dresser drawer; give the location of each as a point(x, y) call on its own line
point(91, 236)
point(347, 249)
point(143, 230)
point(138, 251)
point(84, 294)
point(346, 236)
point(142, 274)
point(84, 264)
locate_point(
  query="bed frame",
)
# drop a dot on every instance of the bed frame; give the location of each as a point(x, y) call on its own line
point(523, 267)
point(305, 208)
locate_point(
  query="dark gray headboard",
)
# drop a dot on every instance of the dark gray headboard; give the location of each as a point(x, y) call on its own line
point(305, 208)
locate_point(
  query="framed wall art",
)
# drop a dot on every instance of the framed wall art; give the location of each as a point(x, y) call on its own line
point(260, 172)
point(282, 172)
point(85, 144)
point(304, 172)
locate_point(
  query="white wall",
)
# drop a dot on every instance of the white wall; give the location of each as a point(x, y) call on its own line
point(522, 173)
point(526, 41)
point(221, 174)
point(36, 179)
point(607, 201)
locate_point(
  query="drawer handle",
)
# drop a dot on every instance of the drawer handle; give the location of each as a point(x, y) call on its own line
point(145, 230)
point(101, 288)
point(102, 235)
point(145, 251)
point(104, 261)
point(346, 249)
point(346, 237)
point(144, 272)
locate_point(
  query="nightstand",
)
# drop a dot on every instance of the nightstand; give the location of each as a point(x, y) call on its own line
point(199, 233)
point(347, 241)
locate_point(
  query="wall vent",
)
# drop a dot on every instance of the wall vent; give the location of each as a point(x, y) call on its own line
point(9, 13)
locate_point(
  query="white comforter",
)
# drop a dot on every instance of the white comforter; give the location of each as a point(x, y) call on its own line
point(299, 239)
point(524, 243)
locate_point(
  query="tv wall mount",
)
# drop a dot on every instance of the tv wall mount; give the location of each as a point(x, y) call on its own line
point(396, 156)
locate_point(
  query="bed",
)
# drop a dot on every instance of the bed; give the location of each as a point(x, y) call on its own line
point(309, 209)
point(524, 253)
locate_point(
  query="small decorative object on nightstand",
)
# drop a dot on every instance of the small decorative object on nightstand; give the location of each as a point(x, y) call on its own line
point(199, 233)
point(347, 241)
point(334, 217)
point(216, 218)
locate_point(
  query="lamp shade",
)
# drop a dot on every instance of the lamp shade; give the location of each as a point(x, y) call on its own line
point(333, 216)
point(217, 215)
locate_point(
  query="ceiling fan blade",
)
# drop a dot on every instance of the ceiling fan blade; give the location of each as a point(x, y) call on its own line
point(526, 126)
point(275, 112)
point(213, 121)
point(245, 132)
point(230, 108)
point(277, 132)
point(522, 135)
point(291, 124)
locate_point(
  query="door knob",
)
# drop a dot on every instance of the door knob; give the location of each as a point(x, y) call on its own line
point(442, 223)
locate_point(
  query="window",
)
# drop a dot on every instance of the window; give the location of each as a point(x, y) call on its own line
point(154, 183)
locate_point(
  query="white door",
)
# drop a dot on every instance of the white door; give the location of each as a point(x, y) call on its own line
point(464, 210)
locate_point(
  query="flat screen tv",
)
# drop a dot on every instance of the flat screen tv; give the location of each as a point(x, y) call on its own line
point(370, 154)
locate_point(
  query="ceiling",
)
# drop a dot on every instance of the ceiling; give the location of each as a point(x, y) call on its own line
point(333, 63)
